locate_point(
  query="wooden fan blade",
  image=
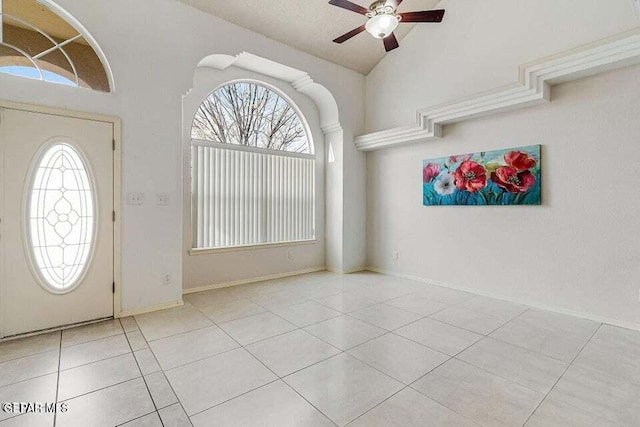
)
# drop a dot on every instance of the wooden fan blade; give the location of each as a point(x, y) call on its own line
point(343, 38)
point(394, 3)
point(424, 16)
point(390, 42)
point(346, 4)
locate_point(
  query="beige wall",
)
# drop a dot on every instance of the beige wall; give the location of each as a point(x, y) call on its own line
point(578, 252)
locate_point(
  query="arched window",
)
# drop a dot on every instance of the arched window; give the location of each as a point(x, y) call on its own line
point(253, 169)
point(35, 42)
point(249, 114)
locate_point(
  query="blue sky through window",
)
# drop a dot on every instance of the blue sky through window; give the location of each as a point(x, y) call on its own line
point(32, 73)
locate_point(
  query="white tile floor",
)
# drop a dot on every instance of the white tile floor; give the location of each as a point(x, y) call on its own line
point(326, 350)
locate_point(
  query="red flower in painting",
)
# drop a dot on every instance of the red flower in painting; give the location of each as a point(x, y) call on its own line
point(508, 178)
point(519, 160)
point(430, 172)
point(470, 176)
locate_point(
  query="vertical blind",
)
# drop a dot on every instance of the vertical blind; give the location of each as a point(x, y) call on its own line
point(245, 196)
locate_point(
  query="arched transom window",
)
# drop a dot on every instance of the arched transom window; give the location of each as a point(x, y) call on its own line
point(35, 42)
point(253, 169)
point(253, 115)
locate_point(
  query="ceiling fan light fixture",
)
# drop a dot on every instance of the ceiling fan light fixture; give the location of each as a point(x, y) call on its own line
point(381, 26)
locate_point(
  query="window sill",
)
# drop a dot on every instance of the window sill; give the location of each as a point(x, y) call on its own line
point(210, 251)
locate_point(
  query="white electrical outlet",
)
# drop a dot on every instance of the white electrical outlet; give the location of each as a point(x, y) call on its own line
point(135, 198)
point(396, 255)
point(162, 199)
point(166, 279)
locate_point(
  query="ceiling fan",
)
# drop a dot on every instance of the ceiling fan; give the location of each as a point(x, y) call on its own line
point(384, 19)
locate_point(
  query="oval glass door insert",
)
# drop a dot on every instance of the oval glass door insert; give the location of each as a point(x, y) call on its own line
point(60, 217)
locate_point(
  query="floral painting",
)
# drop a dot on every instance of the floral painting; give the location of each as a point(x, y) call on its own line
point(502, 177)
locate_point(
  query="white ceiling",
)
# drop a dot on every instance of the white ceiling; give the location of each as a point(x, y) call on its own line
point(311, 25)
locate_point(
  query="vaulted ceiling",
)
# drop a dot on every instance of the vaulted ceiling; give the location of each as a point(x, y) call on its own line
point(311, 25)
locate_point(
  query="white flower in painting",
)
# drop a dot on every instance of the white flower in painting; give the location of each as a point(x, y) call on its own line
point(445, 185)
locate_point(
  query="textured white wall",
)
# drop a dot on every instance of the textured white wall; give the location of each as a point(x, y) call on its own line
point(153, 47)
point(479, 47)
point(578, 252)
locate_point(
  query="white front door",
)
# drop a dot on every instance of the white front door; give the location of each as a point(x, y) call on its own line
point(57, 221)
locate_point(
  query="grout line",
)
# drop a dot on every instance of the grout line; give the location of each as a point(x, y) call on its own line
point(141, 416)
point(179, 333)
point(55, 414)
point(218, 322)
point(312, 364)
point(422, 344)
point(429, 397)
point(509, 380)
point(345, 289)
point(362, 343)
point(251, 354)
point(305, 399)
point(371, 366)
point(509, 321)
point(399, 336)
point(174, 404)
point(93, 340)
point(248, 391)
point(279, 378)
point(378, 404)
point(455, 356)
point(476, 312)
point(178, 402)
point(29, 379)
point(234, 397)
point(142, 374)
point(122, 331)
point(562, 375)
point(60, 347)
point(531, 350)
point(490, 334)
point(102, 388)
point(30, 355)
point(112, 385)
point(196, 360)
point(99, 360)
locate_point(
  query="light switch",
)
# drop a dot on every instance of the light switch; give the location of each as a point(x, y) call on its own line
point(135, 198)
point(162, 199)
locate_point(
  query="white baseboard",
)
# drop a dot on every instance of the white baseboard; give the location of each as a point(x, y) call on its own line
point(143, 310)
point(595, 318)
point(353, 270)
point(251, 280)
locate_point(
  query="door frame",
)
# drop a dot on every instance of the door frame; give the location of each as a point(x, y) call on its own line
point(116, 122)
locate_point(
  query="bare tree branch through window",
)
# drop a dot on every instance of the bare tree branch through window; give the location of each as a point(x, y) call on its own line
point(252, 115)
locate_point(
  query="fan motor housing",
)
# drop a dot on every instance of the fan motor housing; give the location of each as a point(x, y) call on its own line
point(381, 7)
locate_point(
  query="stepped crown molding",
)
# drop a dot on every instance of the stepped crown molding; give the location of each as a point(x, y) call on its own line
point(534, 82)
